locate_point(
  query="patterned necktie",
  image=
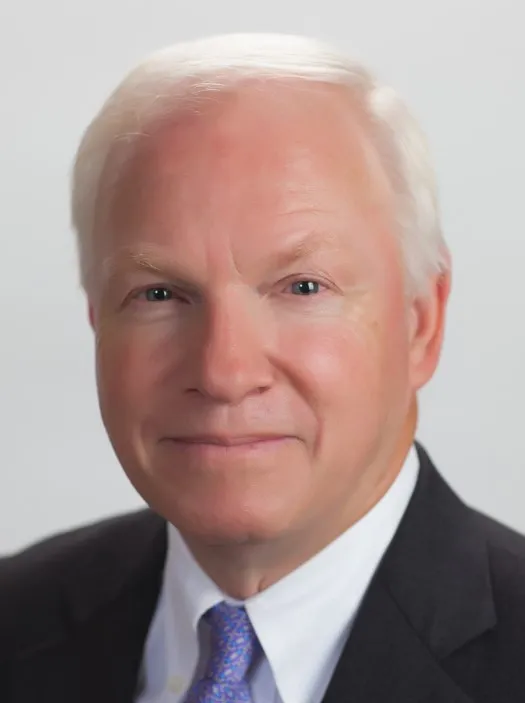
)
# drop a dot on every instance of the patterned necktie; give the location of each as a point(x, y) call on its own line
point(234, 648)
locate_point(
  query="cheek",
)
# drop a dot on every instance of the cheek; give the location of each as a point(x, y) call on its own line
point(351, 369)
point(128, 367)
point(337, 365)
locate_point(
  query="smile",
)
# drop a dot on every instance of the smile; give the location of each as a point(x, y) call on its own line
point(214, 445)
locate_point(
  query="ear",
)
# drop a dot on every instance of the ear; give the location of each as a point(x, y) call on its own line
point(91, 315)
point(427, 325)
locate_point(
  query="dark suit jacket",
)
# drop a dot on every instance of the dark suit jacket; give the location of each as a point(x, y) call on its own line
point(442, 622)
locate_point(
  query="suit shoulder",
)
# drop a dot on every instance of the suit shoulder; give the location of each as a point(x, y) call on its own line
point(506, 553)
point(31, 579)
point(69, 546)
point(501, 539)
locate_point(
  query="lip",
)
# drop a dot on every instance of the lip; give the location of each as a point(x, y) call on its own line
point(227, 441)
point(204, 449)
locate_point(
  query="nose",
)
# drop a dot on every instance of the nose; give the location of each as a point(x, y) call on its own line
point(233, 362)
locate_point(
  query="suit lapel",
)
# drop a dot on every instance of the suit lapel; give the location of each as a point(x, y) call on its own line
point(385, 661)
point(94, 654)
point(430, 596)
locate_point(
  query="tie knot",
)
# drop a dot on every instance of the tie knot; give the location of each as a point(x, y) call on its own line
point(234, 643)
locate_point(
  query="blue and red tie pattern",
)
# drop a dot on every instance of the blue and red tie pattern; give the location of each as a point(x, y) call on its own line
point(234, 649)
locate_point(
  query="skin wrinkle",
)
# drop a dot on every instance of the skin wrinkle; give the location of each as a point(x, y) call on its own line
point(149, 260)
point(181, 118)
point(272, 187)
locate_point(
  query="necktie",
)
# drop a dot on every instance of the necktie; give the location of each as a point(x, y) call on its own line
point(234, 648)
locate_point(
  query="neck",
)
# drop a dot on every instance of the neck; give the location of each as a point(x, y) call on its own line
point(242, 570)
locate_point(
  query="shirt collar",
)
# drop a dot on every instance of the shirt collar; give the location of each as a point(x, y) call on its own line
point(316, 603)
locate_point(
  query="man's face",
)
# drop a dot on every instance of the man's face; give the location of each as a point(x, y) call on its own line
point(253, 337)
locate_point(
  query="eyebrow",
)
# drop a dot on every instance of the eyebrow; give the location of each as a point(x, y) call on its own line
point(145, 258)
point(149, 259)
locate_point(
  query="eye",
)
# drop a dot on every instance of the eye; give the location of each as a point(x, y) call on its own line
point(305, 287)
point(158, 294)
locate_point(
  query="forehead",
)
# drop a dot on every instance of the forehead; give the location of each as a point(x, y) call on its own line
point(249, 157)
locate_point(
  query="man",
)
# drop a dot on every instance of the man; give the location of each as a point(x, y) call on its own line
point(267, 281)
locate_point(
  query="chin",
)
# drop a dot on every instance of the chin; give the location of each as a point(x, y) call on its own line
point(223, 522)
point(222, 506)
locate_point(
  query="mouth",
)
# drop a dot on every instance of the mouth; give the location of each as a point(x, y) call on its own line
point(215, 446)
point(226, 440)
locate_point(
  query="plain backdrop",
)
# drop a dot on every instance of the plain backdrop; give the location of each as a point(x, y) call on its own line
point(461, 66)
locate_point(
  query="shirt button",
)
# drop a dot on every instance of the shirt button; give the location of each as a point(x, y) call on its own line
point(176, 684)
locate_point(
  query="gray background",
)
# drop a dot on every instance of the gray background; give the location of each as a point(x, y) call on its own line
point(461, 66)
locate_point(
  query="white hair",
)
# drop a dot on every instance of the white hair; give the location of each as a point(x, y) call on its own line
point(172, 79)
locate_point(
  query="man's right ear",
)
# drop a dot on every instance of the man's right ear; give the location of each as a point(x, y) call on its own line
point(91, 315)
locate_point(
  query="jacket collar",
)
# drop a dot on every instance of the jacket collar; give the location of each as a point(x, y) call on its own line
point(437, 569)
point(430, 596)
point(86, 643)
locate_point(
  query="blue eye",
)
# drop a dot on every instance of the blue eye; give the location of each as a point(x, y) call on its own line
point(158, 294)
point(305, 287)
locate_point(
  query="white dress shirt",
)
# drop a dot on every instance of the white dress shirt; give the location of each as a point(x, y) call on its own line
point(302, 621)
